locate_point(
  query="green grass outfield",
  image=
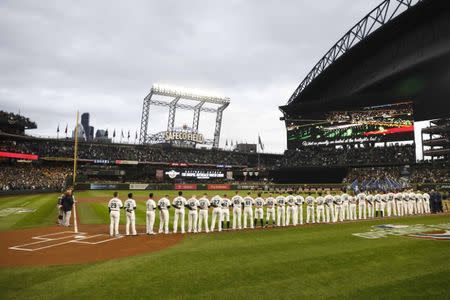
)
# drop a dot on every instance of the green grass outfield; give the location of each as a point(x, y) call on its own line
point(319, 261)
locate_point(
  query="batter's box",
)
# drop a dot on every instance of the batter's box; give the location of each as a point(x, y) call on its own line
point(96, 239)
point(56, 235)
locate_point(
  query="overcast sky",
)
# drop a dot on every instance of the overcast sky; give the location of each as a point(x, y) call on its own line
point(103, 56)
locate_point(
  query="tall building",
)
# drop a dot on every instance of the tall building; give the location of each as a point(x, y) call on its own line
point(85, 124)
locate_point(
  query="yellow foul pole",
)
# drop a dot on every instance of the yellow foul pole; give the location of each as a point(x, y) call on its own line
point(74, 177)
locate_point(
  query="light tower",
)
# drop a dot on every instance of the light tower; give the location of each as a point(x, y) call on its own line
point(176, 97)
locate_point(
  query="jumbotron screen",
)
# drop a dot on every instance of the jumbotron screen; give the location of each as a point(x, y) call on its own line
point(384, 123)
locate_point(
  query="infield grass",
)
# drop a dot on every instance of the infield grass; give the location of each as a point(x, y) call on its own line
point(306, 262)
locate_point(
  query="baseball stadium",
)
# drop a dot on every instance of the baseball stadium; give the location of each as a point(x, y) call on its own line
point(347, 211)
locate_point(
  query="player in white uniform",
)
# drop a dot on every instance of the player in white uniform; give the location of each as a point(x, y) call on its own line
point(405, 203)
point(178, 203)
point(398, 197)
point(300, 200)
point(412, 205)
point(320, 208)
point(426, 203)
point(259, 211)
point(419, 200)
point(310, 209)
point(361, 206)
point(379, 205)
point(352, 207)
point(192, 205)
point(237, 201)
point(203, 203)
point(370, 205)
point(114, 206)
point(150, 214)
point(345, 207)
point(163, 206)
point(390, 206)
point(216, 203)
point(248, 210)
point(226, 203)
point(338, 209)
point(130, 207)
point(291, 210)
point(329, 207)
point(270, 209)
point(281, 210)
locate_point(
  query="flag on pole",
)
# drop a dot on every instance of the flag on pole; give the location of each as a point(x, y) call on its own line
point(136, 136)
point(114, 133)
point(65, 131)
point(121, 133)
point(260, 143)
point(128, 134)
point(231, 143)
point(106, 133)
point(226, 143)
point(57, 129)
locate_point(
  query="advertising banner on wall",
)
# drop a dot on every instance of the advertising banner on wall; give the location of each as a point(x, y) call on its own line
point(219, 186)
point(185, 186)
point(104, 186)
point(138, 186)
point(126, 162)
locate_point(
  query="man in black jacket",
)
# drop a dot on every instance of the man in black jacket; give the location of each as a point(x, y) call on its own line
point(67, 205)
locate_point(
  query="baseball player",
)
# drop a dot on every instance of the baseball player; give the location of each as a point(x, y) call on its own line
point(130, 207)
point(60, 210)
point(281, 210)
point(216, 203)
point(179, 203)
point(352, 207)
point(163, 206)
point(320, 209)
point(291, 210)
point(405, 203)
point(390, 207)
point(361, 206)
point(419, 200)
point(345, 206)
point(412, 205)
point(192, 205)
point(370, 205)
point(338, 209)
point(203, 203)
point(226, 203)
point(237, 201)
point(259, 211)
point(379, 204)
point(300, 200)
point(114, 206)
point(329, 209)
point(150, 215)
point(248, 211)
point(426, 203)
point(398, 197)
point(310, 208)
point(270, 211)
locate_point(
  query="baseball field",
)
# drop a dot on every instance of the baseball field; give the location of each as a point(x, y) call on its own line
point(39, 260)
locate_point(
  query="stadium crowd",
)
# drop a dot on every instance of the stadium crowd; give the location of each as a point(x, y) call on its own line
point(331, 156)
point(28, 177)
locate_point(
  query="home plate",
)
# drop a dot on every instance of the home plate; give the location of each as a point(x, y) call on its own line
point(80, 237)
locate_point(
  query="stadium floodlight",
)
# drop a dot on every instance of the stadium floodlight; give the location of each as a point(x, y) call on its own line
point(176, 95)
point(190, 94)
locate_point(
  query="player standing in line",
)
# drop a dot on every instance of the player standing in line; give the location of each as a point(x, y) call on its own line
point(426, 203)
point(114, 206)
point(130, 207)
point(259, 211)
point(378, 204)
point(216, 203)
point(389, 201)
point(237, 201)
point(398, 198)
point(329, 209)
point(281, 210)
point(203, 203)
point(248, 211)
point(163, 206)
point(345, 207)
point(226, 203)
point(178, 203)
point(290, 210)
point(352, 207)
point(270, 211)
point(150, 214)
point(370, 205)
point(419, 200)
point(320, 209)
point(338, 209)
point(412, 203)
point(405, 203)
point(192, 205)
point(300, 200)
point(361, 205)
point(310, 209)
